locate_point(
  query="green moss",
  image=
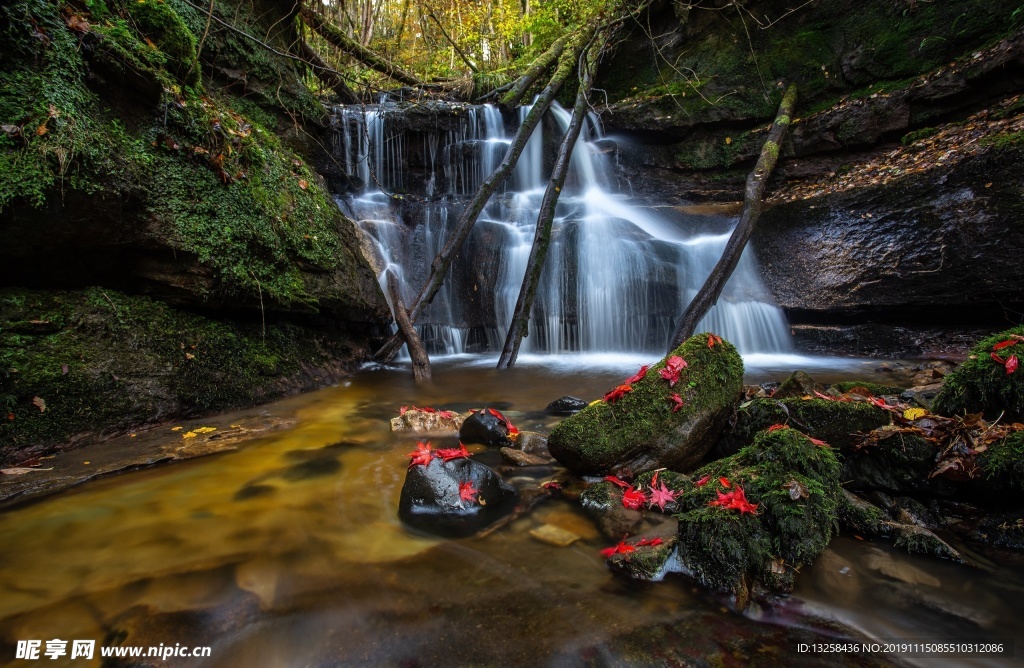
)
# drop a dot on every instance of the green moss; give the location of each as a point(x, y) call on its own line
point(103, 361)
point(1004, 462)
point(637, 426)
point(835, 422)
point(877, 389)
point(859, 516)
point(724, 548)
point(918, 135)
point(161, 25)
point(1003, 140)
point(981, 384)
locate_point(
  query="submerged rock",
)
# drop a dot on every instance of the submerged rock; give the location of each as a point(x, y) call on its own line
point(649, 559)
point(989, 382)
point(454, 498)
point(757, 516)
point(655, 421)
point(566, 406)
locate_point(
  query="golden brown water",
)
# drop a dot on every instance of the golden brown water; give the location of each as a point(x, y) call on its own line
point(289, 552)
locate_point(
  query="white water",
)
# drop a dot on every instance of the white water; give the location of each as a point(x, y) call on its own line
point(617, 275)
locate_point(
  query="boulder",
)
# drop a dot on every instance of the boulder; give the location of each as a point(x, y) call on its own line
point(654, 422)
point(798, 385)
point(989, 381)
point(454, 498)
point(757, 516)
point(431, 421)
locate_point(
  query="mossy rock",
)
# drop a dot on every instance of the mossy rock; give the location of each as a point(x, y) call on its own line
point(835, 422)
point(900, 463)
point(982, 385)
point(795, 485)
point(1003, 464)
point(640, 431)
point(877, 389)
point(103, 362)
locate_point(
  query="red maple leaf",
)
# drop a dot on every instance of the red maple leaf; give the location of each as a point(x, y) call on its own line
point(818, 442)
point(552, 486)
point(638, 376)
point(422, 455)
point(633, 499)
point(1011, 364)
point(403, 410)
point(735, 500)
point(447, 415)
point(1005, 344)
point(615, 480)
point(618, 393)
point(775, 427)
point(622, 548)
point(725, 482)
point(677, 401)
point(671, 375)
point(649, 542)
point(467, 492)
point(496, 413)
point(703, 481)
point(712, 340)
point(447, 454)
point(676, 362)
point(661, 495)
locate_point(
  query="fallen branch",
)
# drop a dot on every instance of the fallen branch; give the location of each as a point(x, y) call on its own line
point(540, 65)
point(420, 361)
point(520, 324)
point(353, 48)
point(752, 204)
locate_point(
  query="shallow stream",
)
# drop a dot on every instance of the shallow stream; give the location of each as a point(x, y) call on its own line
point(289, 552)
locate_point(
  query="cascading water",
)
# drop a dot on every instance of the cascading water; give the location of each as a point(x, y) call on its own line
point(617, 274)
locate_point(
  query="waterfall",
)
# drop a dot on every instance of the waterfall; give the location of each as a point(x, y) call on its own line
point(617, 276)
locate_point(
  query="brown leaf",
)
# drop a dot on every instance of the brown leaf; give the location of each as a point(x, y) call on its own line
point(303, 184)
point(39, 403)
point(796, 490)
point(42, 130)
point(77, 23)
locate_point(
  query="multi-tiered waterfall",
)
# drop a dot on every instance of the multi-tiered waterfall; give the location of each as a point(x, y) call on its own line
point(617, 275)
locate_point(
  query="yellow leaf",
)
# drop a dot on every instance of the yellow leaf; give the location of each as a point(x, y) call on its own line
point(175, 428)
point(728, 140)
point(189, 434)
point(204, 430)
point(914, 413)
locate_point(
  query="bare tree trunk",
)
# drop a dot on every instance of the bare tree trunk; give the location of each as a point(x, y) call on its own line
point(519, 327)
point(443, 260)
point(339, 39)
point(420, 361)
point(329, 77)
point(752, 203)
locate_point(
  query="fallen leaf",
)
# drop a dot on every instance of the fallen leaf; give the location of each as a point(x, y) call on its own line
point(467, 492)
point(175, 428)
point(633, 499)
point(422, 455)
point(42, 130)
point(303, 183)
point(39, 403)
point(189, 434)
point(614, 395)
point(204, 430)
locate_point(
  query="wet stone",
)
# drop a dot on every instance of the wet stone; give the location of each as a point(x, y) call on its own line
point(253, 491)
point(566, 406)
point(520, 458)
point(555, 536)
point(312, 468)
point(427, 422)
point(454, 498)
point(484, 428)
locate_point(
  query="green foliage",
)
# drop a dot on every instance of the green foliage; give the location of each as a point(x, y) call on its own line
point(982, 385)
point(729, 550)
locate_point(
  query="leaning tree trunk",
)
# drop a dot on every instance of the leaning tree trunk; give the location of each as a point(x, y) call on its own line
point(519, 327)
point(539, 66)
point(752, 203)
point(352, 47)
point(329, 77)
point(443, 260)
point(420, 361)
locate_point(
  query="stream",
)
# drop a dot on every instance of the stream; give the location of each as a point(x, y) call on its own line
point(289, 552)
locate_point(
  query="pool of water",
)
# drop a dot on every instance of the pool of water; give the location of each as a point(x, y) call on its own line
point(289, 552)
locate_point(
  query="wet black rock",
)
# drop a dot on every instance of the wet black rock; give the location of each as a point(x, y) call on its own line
point(566, 406)
point(485, 428)
point(454, 498)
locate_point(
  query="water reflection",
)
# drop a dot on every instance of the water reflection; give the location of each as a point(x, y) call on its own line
point(289, 552)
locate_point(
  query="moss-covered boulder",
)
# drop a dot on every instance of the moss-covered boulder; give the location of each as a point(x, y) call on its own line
point(656, 422)
point(835, 422)
point(760, 514)
point(988, 382)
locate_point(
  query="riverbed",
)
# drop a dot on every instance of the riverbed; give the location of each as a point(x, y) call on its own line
point(288, 551)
